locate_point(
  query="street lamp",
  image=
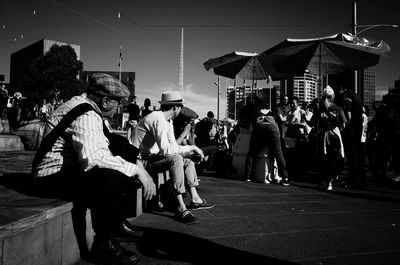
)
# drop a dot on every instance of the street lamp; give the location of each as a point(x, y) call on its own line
point(367, 27)
point(364, 28)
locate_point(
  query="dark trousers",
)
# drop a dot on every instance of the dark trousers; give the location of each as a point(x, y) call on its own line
point(108, 193)
point(355, 157)
point(331, 163)
point(267, 135)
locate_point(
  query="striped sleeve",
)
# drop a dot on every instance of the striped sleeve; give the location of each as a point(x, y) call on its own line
point(91, 145)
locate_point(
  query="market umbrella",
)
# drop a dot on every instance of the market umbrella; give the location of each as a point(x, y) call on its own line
point(228, 120)
point(241, 64)
point(327, 55)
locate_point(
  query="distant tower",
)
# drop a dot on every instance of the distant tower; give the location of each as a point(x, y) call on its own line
point(305, 87)
point(181, 66)
point(366, 83)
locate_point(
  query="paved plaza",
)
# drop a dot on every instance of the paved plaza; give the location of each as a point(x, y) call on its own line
point(256, 223)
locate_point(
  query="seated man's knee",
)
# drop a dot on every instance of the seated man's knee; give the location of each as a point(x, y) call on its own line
point(177, 160)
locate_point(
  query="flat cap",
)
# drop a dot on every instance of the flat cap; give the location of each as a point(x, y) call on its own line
point(101, 84)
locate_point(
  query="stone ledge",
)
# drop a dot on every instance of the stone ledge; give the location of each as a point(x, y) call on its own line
point(10, 142)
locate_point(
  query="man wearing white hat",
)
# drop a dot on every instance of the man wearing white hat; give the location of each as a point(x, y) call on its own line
point(161, 153)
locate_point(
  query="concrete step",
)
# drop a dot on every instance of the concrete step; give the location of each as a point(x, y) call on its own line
point(37, 230)
point(10, 142)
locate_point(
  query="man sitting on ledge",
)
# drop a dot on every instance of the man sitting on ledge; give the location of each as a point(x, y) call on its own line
point(80, 166)
point(161, 153)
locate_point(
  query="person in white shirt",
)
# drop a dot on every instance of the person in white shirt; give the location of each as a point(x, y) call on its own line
point(296, 119)
point(158, 148)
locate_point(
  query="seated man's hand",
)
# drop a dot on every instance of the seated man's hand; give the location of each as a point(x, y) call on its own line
point(147, 181)
point(186, 130)
point(198, 151)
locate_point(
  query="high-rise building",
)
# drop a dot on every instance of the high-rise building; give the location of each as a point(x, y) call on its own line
point(236, 99)
point(304, 87)
point(21, 59)
point(367, 86)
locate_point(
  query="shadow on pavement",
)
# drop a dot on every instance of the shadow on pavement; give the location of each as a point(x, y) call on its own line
point(178, 247)
point(355, 193)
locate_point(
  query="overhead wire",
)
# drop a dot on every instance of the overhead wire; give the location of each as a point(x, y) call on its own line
point(88, 17)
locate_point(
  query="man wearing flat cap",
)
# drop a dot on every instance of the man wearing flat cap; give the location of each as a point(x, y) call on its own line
point(79, 165)
point(158, 148)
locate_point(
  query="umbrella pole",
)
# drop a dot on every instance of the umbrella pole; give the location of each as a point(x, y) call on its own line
point(234, 100)
point(270, 92)
point(218, 101)
point(252, 82)
point(244, 87)
point(320, 70)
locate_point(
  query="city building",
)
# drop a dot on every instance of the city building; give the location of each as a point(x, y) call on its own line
point(21, 59)
point(367, 86)
point(237, 98)
point(365, 81)
point(304, 87)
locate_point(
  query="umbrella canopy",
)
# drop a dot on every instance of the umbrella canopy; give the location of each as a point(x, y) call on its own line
point(327, 55)
point(228, 120)
point(242, 64)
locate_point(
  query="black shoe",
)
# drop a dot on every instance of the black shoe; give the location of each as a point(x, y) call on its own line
point(203, 205)
point(111, 253)
point(285, 182)
point(128, 232)
point(186, 217)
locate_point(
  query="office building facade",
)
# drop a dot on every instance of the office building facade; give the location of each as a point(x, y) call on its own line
point(305, 87)
point(21, 60)
point(237, 97)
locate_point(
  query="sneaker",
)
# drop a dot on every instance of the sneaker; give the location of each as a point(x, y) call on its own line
point(203, 205)
point(285, 182)
point(397, 179)
point(186, 217)
point(247, 179)
point(330, 185)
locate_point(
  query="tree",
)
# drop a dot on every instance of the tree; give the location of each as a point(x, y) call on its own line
point(54, 75)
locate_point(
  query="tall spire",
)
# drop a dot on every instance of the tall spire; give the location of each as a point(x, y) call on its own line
point(120, 62)
point(181, 66)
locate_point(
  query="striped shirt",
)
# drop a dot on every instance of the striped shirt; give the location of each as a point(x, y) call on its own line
point(83, 143)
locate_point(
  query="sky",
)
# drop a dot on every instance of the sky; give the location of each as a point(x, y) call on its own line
point(150, 34)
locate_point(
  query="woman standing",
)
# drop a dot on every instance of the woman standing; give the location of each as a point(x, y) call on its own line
point(330, 120)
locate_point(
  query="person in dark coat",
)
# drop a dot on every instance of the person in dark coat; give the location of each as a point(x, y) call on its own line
point(352, 107)
point(329, 120)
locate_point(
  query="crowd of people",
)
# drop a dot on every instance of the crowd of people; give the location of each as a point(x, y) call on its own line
point(326, 135)
point(78, 157)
